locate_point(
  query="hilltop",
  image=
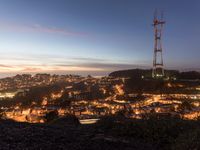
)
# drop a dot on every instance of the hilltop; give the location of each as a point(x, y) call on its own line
point(138, 73)
point(111, 132)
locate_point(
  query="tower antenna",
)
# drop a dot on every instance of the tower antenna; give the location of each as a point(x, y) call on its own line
point(158, 66)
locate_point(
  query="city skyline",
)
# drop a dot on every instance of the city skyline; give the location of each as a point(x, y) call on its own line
point(94, 37)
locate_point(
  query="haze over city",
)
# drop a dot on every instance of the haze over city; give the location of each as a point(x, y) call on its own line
point(95, 37)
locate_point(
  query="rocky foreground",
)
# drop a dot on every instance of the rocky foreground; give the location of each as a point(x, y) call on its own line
point(109, 134)
point(18, 136)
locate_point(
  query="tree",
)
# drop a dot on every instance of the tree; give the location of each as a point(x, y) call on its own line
point(52, 115)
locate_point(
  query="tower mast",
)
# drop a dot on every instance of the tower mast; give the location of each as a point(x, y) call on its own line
point(158, 67)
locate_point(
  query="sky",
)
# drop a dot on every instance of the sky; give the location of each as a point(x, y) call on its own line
point(95, 36)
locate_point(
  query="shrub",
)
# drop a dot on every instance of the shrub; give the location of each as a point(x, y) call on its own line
point(188, 141)
point(160, 131)
point(52, 115)
point(67, 120)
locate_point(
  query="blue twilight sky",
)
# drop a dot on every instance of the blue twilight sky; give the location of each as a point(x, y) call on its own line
point(95, 36)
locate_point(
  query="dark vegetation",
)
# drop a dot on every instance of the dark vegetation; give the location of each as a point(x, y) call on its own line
point(161, 86)
point(140, 81)
point(51, 116)
point(154, 132)
point(138, 73)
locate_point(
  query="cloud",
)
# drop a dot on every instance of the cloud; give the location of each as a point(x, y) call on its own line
point(88, 59)
point(98, 67)
point(55, 30)
point(51, 63)
point(46, 68)
point(103, 66)
point(5, 66)
point(39, 28)
point(31, 69)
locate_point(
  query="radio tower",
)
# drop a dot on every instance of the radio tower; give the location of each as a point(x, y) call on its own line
point(158, 67)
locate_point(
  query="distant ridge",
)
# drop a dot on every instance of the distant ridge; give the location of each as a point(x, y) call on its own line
point(138, 73)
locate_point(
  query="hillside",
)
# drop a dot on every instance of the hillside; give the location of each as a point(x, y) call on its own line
point(138, 73)
point(110, 133)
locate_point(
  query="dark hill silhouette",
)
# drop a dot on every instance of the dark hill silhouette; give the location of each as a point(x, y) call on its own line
point(135, 73)
point(154, 132)
point(138, 73)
